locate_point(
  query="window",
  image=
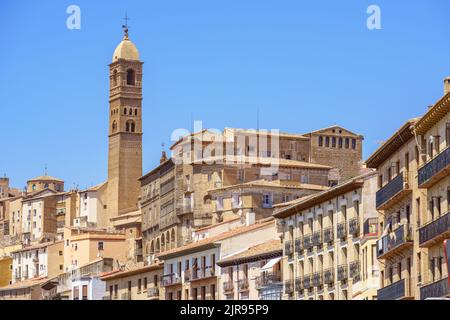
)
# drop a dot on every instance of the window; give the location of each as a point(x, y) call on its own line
point(114, 78)
point(131, 112)
point(130, 77)
point(139, 285)
point(100, 246)
point(135, 112)
point(347, 143)
point(240, 175)
point(125, 111)
point(333, 142)
point(85, 292)
point(320, 141)
point(116, 290)
point(327, 142)
point(340, 143)
point(130, 126)
point(145, 283)
point(267, 200)
point(114, 126)
point(353, 144)
point(76, 293)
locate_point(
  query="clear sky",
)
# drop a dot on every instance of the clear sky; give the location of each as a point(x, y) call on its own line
point(305, 64)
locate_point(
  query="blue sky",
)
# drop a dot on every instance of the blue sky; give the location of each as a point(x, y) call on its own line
point(304, 64)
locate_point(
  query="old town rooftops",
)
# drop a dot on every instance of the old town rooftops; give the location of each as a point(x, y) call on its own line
point(117, 274)
point(212, 242)
point(402, 135)
point(260, 161)
point(268, 249)
point(312, 200)
point(37, 246)
point(25, 284)
point(95, 188)
point(433, 115)
point(46, 178)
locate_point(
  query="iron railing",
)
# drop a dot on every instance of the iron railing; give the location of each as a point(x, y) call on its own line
point(393, 188)
point(434, 167)
point(342, 272)
point(435, 228)
point(342, 230)
point(353, 227)
point(437, 289)
point(328, 235)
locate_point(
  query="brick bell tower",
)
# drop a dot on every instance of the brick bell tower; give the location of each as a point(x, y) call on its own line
point(125, 129)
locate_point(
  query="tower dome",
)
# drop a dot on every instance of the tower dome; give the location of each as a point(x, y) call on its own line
point(126, 50)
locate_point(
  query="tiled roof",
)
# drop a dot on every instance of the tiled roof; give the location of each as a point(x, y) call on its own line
point(212, 240)
point(217, 224)
point(46, 178)
point(260, 251)
point(25, 284)
point(116, 274)
point(37, 246)
point(95, 188)
point(433, 115)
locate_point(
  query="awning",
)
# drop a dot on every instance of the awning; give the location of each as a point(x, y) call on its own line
point(269, 265)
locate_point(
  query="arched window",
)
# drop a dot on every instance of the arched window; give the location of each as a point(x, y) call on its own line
point(125, 111)
point(114, 126)
point(130, 126)
point(320, 141)
point(115, 78)
point(131, 112)
point(130, 77)
point(135, 112)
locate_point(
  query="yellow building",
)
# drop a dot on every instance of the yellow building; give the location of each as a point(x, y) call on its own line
point(6, 268)
point(433, 132)
point(140, 283)
point(329, 243)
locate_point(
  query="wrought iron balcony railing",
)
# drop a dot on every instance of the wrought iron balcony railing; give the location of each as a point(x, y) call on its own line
point(317, 239)
point(307, 281)
point(243, 284)
point(268, 278)
point(328, 235)
point(228, 286)
point(395, 291)
point(299, 246)
point(299, 284)
point(201, 273)
point(342, 272)
point(354, 270)
point(437, 289)
point(307, 242)
point(318, 279)
point(394, 241)
point(353, 227)
point(170, 279)
point(328, 276)
point(342, 230)
point(288, 249)
point(153, 292)
point(392, 191)
point(435, 231)
point(289, 286)
point(435, 169)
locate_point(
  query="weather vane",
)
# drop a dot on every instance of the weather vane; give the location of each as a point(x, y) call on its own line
point(125, 26)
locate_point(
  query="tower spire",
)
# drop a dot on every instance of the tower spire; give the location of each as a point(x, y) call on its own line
point(125, 26)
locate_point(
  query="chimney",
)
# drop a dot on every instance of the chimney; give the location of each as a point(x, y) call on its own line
point(446, 85)
point(249, 218)
point(163, 157)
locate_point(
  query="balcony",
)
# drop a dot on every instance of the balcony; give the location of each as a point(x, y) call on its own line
point(392, 192)
point(299, 285)
point(318, 279)
point(243, 284)
point(395, 242)
point(188, 208)
point(353, 227)
point(342, 272)
point(288, 250)
point(288, 286)
point(307, 281)
point(317, 239)
point(328, 276)
point(437, 289)
point(307, 242)
point(299, 246)
point(355, 271)
point(267, 279)
point(202, 273)
point(153, 293)
point(435, 170)
point(399, 290)
point(435, 231)
point(328, 235)
point(170, 280)
point(342, 231)
point(228, 287)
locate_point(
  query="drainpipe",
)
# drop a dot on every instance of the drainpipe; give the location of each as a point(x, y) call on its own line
point(337, 251)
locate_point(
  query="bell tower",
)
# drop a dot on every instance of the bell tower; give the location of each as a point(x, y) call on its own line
point(125, 129)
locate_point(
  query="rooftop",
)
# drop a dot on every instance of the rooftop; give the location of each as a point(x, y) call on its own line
point(255, 253)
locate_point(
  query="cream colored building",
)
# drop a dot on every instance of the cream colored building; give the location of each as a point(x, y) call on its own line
point(141, 283)
point(433, 132)
point(329, 243)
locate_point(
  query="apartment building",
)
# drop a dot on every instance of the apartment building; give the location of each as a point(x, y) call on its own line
point(400, 203)
point(254, 273)
point(84, 245)
point(191, 271)
point(141, 283)
point(329, 243)
point(433, 176)
point(38, 261)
